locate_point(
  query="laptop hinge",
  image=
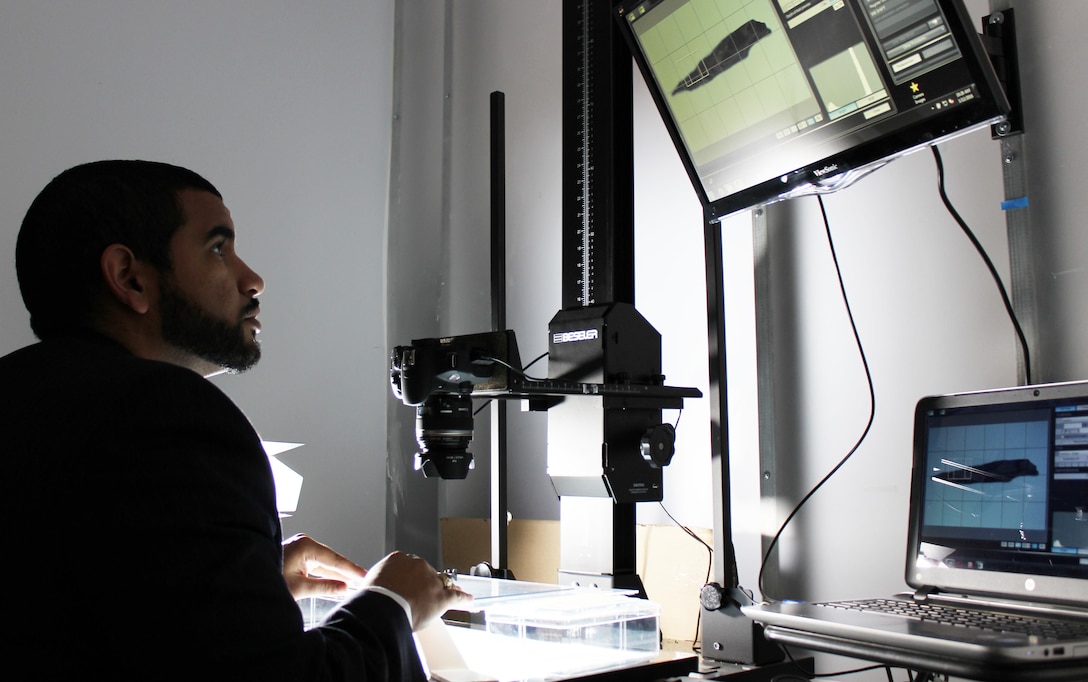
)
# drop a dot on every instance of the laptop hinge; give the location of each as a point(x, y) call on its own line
point(923, 593)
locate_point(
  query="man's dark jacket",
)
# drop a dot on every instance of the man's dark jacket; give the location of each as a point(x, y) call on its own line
point(142, 539)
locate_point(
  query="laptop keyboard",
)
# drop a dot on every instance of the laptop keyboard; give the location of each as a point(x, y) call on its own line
point(973, 618)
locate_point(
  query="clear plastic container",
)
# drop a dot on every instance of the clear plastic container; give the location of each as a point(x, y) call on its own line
point(580, 616)
point(545, 612)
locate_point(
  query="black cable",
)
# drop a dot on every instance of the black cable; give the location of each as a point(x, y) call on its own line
point(865, 669)
point(687, 530)
point(536, 360)
point(911, 675)
point(872, 405)
point(989, 264)
point(520, 372)
point(709, 567)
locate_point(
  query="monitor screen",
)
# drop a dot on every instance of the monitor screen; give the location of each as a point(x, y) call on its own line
point(768, 99)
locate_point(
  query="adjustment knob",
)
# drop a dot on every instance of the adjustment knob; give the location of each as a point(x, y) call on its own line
point(658, 445)
point(711, 596)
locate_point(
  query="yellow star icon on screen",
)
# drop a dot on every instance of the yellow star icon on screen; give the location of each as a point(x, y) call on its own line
point(914, 87)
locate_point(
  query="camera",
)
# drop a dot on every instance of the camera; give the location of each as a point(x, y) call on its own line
point(611, 347)
point(437, 377)
point(474, 363)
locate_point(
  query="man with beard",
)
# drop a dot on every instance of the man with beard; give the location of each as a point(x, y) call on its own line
point(143, 540)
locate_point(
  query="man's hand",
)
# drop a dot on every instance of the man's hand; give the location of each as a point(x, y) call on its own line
point(419, 584)
point(313, 570)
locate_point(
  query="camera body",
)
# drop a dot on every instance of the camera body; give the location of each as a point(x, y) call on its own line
point(453, 365)
point(438, 377)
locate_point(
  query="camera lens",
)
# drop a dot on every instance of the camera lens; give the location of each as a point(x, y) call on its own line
point(443, 431)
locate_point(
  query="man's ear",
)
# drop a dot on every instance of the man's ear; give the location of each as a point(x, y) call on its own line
point(127, 278)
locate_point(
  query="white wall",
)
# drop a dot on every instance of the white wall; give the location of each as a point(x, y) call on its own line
point(509, 47)
point(418, 261)
point(451, 57)
point(286, 108)
point(930, 321)
point(928, 314)
point(1052, 55)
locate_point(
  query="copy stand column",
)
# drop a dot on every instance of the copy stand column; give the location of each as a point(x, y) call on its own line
point(595, 458)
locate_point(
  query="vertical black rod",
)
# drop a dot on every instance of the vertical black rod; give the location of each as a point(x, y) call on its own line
point(598, 190)
point(727, 634)
point(498, 323)
point(725, 568)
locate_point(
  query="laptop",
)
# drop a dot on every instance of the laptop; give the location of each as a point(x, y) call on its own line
point(998, 530)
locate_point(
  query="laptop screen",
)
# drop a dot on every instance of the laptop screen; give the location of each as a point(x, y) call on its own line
point(1000, 492)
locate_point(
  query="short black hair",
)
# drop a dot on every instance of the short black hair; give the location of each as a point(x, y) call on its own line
point(81, 212)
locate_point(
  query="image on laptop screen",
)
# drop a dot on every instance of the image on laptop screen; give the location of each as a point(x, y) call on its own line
point(1006, 490)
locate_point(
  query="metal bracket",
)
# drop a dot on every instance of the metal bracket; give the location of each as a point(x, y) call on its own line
point(999, 39)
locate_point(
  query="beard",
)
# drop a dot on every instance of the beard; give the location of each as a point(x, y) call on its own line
point(189, 328)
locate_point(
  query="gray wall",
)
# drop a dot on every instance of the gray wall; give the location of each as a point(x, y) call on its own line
point(286, 108)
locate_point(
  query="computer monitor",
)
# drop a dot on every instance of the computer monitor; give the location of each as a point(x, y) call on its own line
point(770, 99)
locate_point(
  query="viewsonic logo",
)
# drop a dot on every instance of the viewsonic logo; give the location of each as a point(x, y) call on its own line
point(826, 170)
point(576, 335)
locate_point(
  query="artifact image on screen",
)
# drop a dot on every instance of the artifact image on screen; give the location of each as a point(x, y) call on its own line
point(729, 52)
point(767, 99)
point(991, 475)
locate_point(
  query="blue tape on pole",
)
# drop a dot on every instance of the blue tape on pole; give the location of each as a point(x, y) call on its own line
point(1010, 204)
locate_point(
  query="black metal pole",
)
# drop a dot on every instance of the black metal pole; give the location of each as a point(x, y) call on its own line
point(499, 540)
point(727, 634)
